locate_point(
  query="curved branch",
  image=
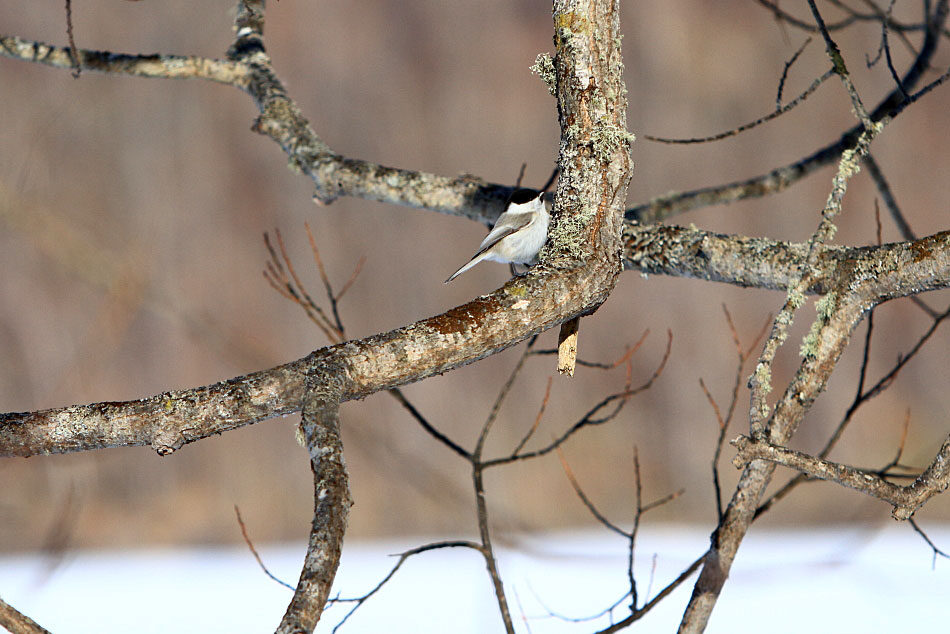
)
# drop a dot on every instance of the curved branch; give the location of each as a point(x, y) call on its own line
point(578, 269)
point(320, 425)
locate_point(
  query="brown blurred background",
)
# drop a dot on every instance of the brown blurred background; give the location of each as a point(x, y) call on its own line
point(131, 214)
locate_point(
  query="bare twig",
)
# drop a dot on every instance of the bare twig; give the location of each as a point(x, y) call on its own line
point(73, 50)
point(887, 51)
point(591, 417)
point(779, 111)
point(778, 179)
point(481, 504)
point(723, 422)
point(649, 605)
point(837, 62)
point(426, 425)
point(276, 274)
point(257, 557)
point(600, 517)
point(537, 419)
point(788, 65)
point(884, 189)
point(937, 552)
point(360, 600)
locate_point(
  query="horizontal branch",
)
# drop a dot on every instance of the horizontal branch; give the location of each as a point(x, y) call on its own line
point(157, 65)
point(167, 421)
point(910, 267)
point(905, 499)
point(531, 304)
point(676, 251)
point(333, 174)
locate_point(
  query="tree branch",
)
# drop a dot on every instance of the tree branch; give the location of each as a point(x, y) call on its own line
point(17, 623)
point(320, 426)
point(905, 499)
point(780, 178)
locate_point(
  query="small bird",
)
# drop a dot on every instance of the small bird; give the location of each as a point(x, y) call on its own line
point(518, 234)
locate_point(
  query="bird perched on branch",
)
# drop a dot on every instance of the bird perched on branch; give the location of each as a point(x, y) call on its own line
point(518, 234)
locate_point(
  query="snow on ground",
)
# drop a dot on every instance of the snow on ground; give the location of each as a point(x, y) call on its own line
point(844, 580)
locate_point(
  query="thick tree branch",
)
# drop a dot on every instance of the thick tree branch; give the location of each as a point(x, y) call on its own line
point(772, 264)
point(839, 312)
point(172, 419)
point(579, 266)
point(320, 426)
point(649, 248)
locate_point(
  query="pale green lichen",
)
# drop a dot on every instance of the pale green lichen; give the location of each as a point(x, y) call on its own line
point(796, 299)
point(516, 290)
point(763, 378)
point(809, 347)
point(606, 137)
point(567, 235)
point(824, 308)
point(543, 67)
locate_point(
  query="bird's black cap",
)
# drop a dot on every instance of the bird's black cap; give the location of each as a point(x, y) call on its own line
point(522, 196)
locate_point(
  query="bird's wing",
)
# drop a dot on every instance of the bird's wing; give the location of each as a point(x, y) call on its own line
point(507, 224)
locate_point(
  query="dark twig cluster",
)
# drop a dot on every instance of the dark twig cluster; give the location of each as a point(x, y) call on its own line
point(479, 464)
point(281, 275)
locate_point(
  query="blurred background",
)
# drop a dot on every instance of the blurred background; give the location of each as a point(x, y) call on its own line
point(131, 221)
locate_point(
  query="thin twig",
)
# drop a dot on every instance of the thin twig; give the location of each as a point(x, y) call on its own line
point(788, 65)
point(590, 418)
point(600, 517)
point(359, 601)
point(887, 195)
point(937, 552)
point(426, 425)
point(752, 124)
point(73, 50)
point(537, 419)
point(257, 557)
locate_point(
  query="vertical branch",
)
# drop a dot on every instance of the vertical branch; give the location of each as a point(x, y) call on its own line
point(839, 312)
point(320, 425)
point(481, 505)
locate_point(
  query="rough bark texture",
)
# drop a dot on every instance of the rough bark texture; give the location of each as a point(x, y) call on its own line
point(320, 426)
point(578, 269)
point(590, 243)
point(17, 623)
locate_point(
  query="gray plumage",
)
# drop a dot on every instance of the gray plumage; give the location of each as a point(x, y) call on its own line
point(518, 234)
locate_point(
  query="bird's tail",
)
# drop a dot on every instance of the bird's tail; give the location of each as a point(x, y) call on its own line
point(475, 260)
